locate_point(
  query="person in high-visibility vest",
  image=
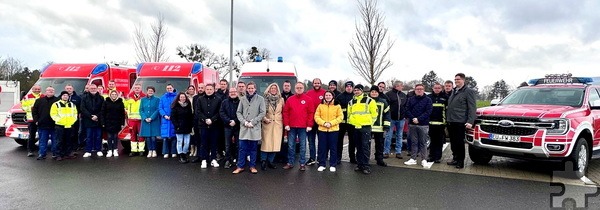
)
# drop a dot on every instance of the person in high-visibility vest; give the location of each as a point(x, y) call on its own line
point(381, 124)
point(134, 120)
point(26, 104)
point(437, 123)
point(362, 112)
point(64, 113)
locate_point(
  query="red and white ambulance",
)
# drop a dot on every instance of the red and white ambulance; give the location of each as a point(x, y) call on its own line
point(556, 118)
point(58, 75)
point(180, 75)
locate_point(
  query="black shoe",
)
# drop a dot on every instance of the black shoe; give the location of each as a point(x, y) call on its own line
point(197, 160)
point(263, 165)
point(227, 164)
point(366, 171)
point(131, 154)
point(271, 165)
point(460, 165)
point(381, 163)
point(41, 158)
point(358, 168)
point(353, 161)
point(399, 155)
point(141, 154)
point(181, 158)
point(452, 163)
point(311, 162)
point(30, 154)
point(437, 161)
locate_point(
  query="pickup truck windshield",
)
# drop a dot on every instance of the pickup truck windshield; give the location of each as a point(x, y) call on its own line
point(546, 96)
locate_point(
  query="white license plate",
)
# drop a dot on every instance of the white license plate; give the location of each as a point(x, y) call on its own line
point(24, 136)
point(506, 138)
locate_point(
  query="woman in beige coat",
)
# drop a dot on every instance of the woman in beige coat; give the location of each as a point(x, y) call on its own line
point(272, 126)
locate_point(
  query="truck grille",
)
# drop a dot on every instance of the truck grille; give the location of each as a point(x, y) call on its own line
point(517, 131)
point(514, 119)
point(520, 145)
point(19, 118)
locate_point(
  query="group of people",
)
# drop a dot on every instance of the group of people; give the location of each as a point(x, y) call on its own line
point(207, 122)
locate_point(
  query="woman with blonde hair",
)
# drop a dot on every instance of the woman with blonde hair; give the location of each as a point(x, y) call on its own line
point(272, 126)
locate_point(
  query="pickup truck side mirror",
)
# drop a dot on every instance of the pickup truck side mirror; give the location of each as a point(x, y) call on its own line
point(595, 105)
point(494, 102)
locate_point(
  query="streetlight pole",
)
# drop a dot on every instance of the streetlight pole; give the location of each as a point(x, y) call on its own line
point(231, 46)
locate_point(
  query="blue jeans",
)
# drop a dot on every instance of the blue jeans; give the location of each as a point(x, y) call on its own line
point(267, 156)
point(112, 141)
point(247, 147)
point(311, 136)
point(151, 142)
point(328, 144)
point(292, 134)
point(45, 135)
point(183, 143)
point(399, 125)
point(169, 145)
point(94, 139)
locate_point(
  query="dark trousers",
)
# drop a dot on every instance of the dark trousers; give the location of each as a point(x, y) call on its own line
point(328, 145)
point(231, 143)
point(363, 147)
point(73, 137)
point(63, 140)
point(82, 138)
point(281, 156)
point(195, 139)
point(94, 139)
point(437, 139)
point(247, 148)
point(208, 143)
point(346, 128)
point(33, 128)
point(379, 141)
point(457, 141)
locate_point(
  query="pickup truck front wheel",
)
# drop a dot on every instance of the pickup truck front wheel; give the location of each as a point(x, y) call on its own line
point(579, 159)
point(479, 156)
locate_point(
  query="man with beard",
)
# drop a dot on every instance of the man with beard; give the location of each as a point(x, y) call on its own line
point(316, 94)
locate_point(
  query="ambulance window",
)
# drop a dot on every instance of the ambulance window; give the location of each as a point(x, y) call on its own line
point(594, 98)
point(97, 82)
point(132, 78)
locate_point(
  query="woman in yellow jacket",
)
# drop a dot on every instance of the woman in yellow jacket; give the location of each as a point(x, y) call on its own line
point(328, 116)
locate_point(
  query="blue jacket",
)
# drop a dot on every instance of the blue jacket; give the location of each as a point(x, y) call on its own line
point(167, 130)
point(149, 109)
point(419, 107)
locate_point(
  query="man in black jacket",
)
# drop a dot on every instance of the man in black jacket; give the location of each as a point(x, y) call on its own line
point(397, 102)
point(206, 113)
point(41, 115)
point(345, 98)
point(437, 123)
point(333, 88)
point(232, 126)
point(91, 107)
point(460, 116)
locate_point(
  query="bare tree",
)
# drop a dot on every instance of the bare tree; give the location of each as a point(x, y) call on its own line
point(370, 47)
point(151, 47)
point(202, 54)
point(9, 67)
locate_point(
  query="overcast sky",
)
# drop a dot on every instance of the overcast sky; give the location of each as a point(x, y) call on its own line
point(489, 40)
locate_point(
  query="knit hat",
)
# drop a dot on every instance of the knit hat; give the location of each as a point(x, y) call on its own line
point(359, 86)
point(374, 88)
point(349, 83)
point(333, 82)
point(63, 92)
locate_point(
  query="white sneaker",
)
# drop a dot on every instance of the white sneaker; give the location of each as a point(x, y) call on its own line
point(410, 162)
point(87, 154)
point(153, 153)
point(99, 154)
point(332, 169)
point(116, 153)
point(109, 153)
point(214, 163)
point(166, 156)
point(149, 154)
point(203, 164)
point(174, 155)
point(321, 168)
point(426, 164)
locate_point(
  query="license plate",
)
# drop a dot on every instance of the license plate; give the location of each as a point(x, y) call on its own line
point(506, 138)
point(24, 136)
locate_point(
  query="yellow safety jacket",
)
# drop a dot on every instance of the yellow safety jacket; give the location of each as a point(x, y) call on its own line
point(27, 103)
point(64, 113)
point(362, 111)
point(132, 106)
point(383, 116)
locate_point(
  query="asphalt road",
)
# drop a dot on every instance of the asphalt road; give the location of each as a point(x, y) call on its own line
point(141, 183)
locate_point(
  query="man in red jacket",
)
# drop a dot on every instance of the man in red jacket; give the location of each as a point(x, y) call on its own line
point(317, 95)
point(298, 119)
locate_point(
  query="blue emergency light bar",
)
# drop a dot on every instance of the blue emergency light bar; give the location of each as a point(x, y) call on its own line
point(561, 79)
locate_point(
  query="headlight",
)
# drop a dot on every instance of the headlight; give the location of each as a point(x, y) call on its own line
point(559, 126)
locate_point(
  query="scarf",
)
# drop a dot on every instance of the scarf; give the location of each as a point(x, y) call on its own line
point(183, 104)
point(272, 100)
point(250, 96)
